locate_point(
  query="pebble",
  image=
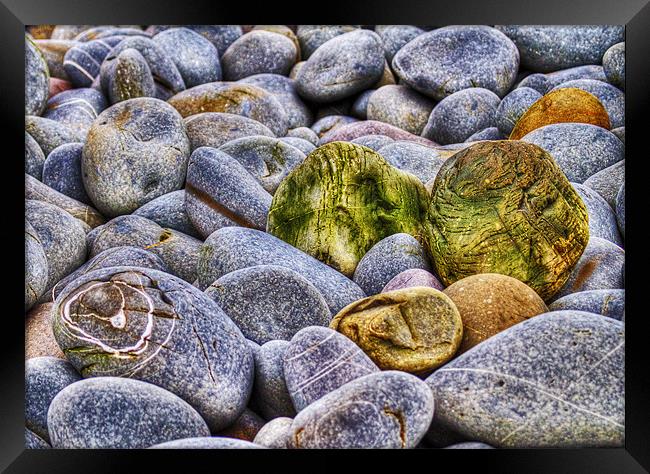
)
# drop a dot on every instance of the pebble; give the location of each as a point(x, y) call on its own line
point(39, 338)
point(376, 143)
point(83, 61)
point(33, 441)
point(620, 209)
point(607, 182)
point(513, 106)
point(359, 107)
point(340, 107)
point(356, 129)
point(330, 123)
point(245, 427)
point(311, 37)
point(168, 210)
point(270, 394)
point(305, 146)
point(602, 218)
point(620, 133)
point(115, 412)
point(36, 79)
point(50, 134)
point(614, 65)
point(304, 133)
point(34, 157)
point(127, 76)
point(612, 98)
point(284, 31)
point(76, 108)
point(400, 106)
point(206, 442)
point(62, 172)
point(214, 129)
point(36, 266)
point(395, 37)
point(221, 36)
point(258, 52)
point(430, 63)
point(412, 278)
point(538, 82)
point(276, 434)
point(490, 133)
point(57, 86)
point(607, 302)
point(591, 71)
point(470, 445)
point(53, 51)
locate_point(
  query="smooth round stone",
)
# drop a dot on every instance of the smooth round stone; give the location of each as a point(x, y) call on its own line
point(36, 267)
point(318, 361)
point(270, 394)
point(396, 36)
point(37, 79)
point(614, 65)
point(555, 380)
point(413, 329)
point(591, 71)
point(168, 210)
point(221, 36)
point(245, 427)
point(136, 151)
point(602, 218)
point(62, 236)
point(195, 57)
point(490, 133)
point(34, 157)
point(538, 82)
point(213, 442)
point(356, 129)
point(53, 52)
point(234, 98)
point(449, 59)
point(267, 159)
point(387, 258)
point(276, 434)
point(489, 303)
point(283, 88)
point(513, 106)
point(304, 133)
point(45, 377)
point(127, 77)
point(114, 412)
point(50, 134)
point(607, 182)
point(296, 67)
point(379, 200)
point(600, 267)
point(179, 252)
point(620, 209)
point(234, 248)
point(123, 256)
point(580, 150)
point(76, 108)
point(62, 171)
point(412, 278)
point(39, 338)
point(33, 441)
point(359, 107)
point(34, 189)
point(100, 32)
point(220, 192)
point(311, 37)
point(620, 133)
point(461, 114)
point(572, 45)
point(341, 67)
point(612, 98)
point(214, 129)
point(283, 30)
point(470, 445)
point(269, 302)
point(330, 123)
point(400, 106)
point(306, 147)
point(144, 324)
point(608, 302)
point(258, 52)
point(389, 409)
point(68, 32)
point(376, 143)
point(506, 207)
point(83, 61)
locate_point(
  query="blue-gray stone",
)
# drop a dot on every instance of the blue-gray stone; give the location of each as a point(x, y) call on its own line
point(388, 409)
point(113, 412)
point(300, 143)
point(607, 182)
point(62, 171)
point(76, 108)
point(614, 65)
point(340, 107)
point(490, 133)
point(213, 442)
point(128, 76)
point(513, 106)
point(620, 133)
point(449, 59)
point(33, 441)
point(36, 268)
point(377, 142)
point(590, 71)
point(53, 52)
point(331, 123)
point(611, 97)
point(258, 52)
point(221, 36)
point(359, 107)
point(620, 209)
point(305, 133)
point(50, 134)
point(538, 82)
point(602, 219)
point(555, 380)
point(37, 79)
point(608, 302)
point(470, 445)
point(276, 434)
point(580, 149)
point(34, 157)
point(83, 61)
point(400, 106)
point(396, 36)
point(311, 37)
point(214, 129)
point(168, 210)
point(270, 393)
point(234, 248)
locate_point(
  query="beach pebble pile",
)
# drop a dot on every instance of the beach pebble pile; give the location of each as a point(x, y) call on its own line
point(324, 236)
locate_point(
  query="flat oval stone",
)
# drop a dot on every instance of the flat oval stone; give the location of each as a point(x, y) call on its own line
point(330, 123)
point(579, 149)
point(50, 134)
point(396, 36)
point(37, 77)
point(45, 377)
point(214, 129)
point(127, 76)
point(413, 329)
point(115, 412)
point(269, 302)
point(39, 338)
point(213, 442)
point(461, 114)
point(62, 171)
point(620, 209)
point(555, 380)
point(590, 71)
point(311, 37)
point(168, 210)
point(614, 65)
point(36, 267)
point(179, 252)
point(489, 303)
point(258, 52)
point(221, 36)
point(342, 200)
point(234, 248)
point(284, 30)
point(76, 108)
point(506, 207)
point(513, 106)
point(607, 182)
point(602, 219)
point(318, 361)
point(612, 98)
point(341, 67)
point(144, 324)
point(377, 142)
point(411, 278)
point(384, 410)
point(275, 434)
point(34, 157)
point(400, 106)
point(607, 302)
point(270, 394)
point(387, 258)
point(432, 64)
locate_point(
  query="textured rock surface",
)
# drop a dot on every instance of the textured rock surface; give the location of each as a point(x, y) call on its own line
point(168, 210)
point(330, 123)
point(34, 157)
point(609, 302)
point(411, 278)
point(469, 445)
point(245, 427)
point(33, 441)
point(62, 172)
point(36, 266)
point(620, 209)
point(490, 133)
point(607, 182)
point(311, 37)
point(614, 65)
point(270, 394)
point(396, 36)
point(376, 142)
point(602, 219)
point(37, 78)
point(76, 108)
point(50, 134)
point(258, 52)
point(612, 98)
point(127, 76)
point(276, 434)
point(214, 129)
point(400, 106)
point(356, 129)
point(39, 338)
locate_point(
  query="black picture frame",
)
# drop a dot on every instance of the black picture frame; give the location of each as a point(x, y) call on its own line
point(15, 14)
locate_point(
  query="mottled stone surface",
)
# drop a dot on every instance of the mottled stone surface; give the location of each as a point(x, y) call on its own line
point(50, 134)
point(257, 52)
point(34, 157)
point(214, 129)
point(614, 65)
point(167, 332)
point(607, 302)
point(305, 133)
point(412, 329)
point(385, 410)
point(269, 302)
point(341, 67)
point(276, 434)
point(330, 123)
point(602, 218)
point(270, 394)
point(489, 303)
point(539, 82)
point(76, 108)
point(572, 45)
point(342, 200)
point(506, 207)
point(359, 107)
point(53, 52)
point(62, 171)
point(168, 210)
point(579, 149)
point(396, 36)
point(311, 37)
point(607, 182)
point(590, 71)
point(612, 98)
point(320, 360)
point(620, 133)
point(376, 143)
point(39, 338)
point(245, 427)
point(221, 36)
point(449, 59)
point(115, 412)
point(45, 377)
point(620, 209)
point(555, 380)
point(305, 146)
point(36, 79)
point(36, 266)
point(513, 106)
point(33, 441)
point(82, 62)
point(136, 151)
point(387, 258)
point(469, 445)
point(127, 76)
point(490, 133)
point(411, 278)
point(461, 114)
point(400, 106)
point(234, 248)
point(213, 442)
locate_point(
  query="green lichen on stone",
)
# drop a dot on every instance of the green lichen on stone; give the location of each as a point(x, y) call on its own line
point(343, 199)
point(506, 207)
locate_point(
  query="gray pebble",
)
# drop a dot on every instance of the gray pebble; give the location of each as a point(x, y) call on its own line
point(270, 393)
point(311, 37)
point(612, 98)
point(276, 434)
point(470, 445)
point(221, 36)
point(620, 133)
point(62, 171)
point(76, 108)
point(304, 133)
point(377, 142)
point(340, 107)
point(168, 210)
point(608, 302)
point(128, 76)
point(36, 267)
point(37, 79)
point(214, 129)
point(400, 106)
point(614, 65)
point(607, 182)
point(213, 442)
point(602, 219)
point(396, 36)
point(355, 129)
point(50, 134)
point(413, 277)
point(257, 52)
point(591, 71)
point(359, 107)
point(490, 133)
point(33, 441)
point(34, 157)
point(538, 82)
point(53, 52)
point(83, 61)
point(620, 209)
point(306, 147)
point(331, 123)
point(513, 106)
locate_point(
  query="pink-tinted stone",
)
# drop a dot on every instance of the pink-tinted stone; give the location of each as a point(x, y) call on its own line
point(354, 130)
point(411, 278)
point(58, 85)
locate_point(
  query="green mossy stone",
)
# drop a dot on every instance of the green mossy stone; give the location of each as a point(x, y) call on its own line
point(506, 207)
point(342, 200)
